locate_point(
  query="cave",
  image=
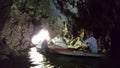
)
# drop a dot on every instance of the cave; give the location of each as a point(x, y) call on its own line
point(21, 20)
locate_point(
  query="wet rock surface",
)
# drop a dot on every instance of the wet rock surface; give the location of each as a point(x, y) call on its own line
point(17, 26)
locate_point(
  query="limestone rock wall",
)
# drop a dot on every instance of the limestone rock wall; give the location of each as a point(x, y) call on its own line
point(19, 23)
point(18, 34)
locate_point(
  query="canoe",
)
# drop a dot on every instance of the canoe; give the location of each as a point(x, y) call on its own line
point(69, 51)
point(73, 52)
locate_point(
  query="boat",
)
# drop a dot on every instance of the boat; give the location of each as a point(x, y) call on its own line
point(68, 51)
point(74, 52)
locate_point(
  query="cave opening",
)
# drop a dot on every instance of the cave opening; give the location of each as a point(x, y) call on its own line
point(21, 20)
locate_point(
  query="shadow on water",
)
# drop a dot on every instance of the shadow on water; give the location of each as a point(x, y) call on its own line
point(15, 62)
point(46, 60)
point(63, 61)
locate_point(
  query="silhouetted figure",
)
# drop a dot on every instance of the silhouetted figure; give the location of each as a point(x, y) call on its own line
point(44, 46)
point(107, 42)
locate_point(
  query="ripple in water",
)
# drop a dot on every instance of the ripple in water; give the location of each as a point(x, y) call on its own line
point(35, 58)
point(60, 61)
point(38, 59)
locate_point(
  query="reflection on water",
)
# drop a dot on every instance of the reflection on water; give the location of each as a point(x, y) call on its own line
point(59, 61)
point(71, 62)
point(35, 58)
point(38, 60)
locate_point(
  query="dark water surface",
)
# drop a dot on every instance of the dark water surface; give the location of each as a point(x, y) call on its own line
point(37, 60)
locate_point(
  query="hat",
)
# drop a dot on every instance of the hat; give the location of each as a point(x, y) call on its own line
point(90, 33)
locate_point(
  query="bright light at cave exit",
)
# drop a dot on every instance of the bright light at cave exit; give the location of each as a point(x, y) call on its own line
point(40, 37)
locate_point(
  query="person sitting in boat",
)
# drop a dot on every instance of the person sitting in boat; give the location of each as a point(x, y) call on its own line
point(58, 42)
point(44, 46)
point(92, 42)
point(78, 42)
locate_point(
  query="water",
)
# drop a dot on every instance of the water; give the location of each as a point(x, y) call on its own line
point(36, 60)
